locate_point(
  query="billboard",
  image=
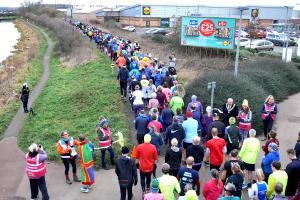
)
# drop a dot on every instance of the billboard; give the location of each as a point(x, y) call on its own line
point(208, 32)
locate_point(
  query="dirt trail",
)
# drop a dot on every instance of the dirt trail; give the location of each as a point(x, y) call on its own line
point(12, 158)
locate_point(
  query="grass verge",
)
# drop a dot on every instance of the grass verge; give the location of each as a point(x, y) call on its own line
point(73, 100)
point(32, 76)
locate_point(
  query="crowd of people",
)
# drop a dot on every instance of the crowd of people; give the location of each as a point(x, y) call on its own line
point(221, 139)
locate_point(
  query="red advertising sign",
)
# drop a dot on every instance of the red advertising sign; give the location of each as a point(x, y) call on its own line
point(222, 23)
point(207, 28)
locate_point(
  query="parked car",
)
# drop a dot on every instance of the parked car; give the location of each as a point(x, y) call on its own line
point(160, 31)
point(258, 33)
point(260, 45)
point(243, 41)
point(279, 39)
point(129, 28)
point(244, 34)
point(150, 31)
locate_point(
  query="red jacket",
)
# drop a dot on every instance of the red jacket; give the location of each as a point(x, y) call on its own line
point(147, 155)
point(211, 191)
point(216, 154)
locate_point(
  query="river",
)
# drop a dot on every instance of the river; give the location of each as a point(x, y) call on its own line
point(9, 36)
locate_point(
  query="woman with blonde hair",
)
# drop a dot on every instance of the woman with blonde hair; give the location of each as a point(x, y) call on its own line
point(258, 190)
point(268, 114)
point(237, 179)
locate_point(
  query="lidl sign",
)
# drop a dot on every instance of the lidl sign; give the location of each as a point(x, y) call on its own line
point(146, 10)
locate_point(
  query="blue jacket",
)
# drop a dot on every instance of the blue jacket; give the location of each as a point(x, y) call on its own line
point(167, 116)
point(197, 116)
point(267, 161)
point(158, 78)
point(141, 124)
point(156, 140)
point(190, 127)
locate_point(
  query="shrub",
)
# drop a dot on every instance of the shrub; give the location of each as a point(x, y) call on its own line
point(244, 54)
point(269, 54)
point(256, 80)
point(159, 38)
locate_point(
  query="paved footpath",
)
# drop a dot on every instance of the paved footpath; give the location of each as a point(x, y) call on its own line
point(12, 159)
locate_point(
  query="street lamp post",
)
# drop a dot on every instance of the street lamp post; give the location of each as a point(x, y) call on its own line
point(287, 35)
point(211, 86)
point(236, 65)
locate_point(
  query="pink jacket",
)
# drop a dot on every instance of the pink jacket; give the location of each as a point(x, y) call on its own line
point(154, 196)
point(211, 191)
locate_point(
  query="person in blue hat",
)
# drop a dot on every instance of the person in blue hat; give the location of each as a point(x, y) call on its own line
point(154, 194)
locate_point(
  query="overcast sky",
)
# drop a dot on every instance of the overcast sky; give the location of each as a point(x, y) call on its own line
point(111, 3)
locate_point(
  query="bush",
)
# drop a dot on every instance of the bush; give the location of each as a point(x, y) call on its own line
point(245, 54)
point(159, 38)
point(255, 82)
point(269, 54)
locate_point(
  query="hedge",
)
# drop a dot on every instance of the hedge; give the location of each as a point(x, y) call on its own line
point(256, 80)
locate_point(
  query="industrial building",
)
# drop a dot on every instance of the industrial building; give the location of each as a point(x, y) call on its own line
point(169, 15)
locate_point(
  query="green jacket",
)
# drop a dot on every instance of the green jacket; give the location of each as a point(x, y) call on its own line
point(277, 176)
point(250, 150)
point(176, 102)
point(168, 185)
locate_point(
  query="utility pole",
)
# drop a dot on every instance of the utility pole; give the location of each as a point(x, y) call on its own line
point(236, 65)
point(211, 86)
point(287, 35)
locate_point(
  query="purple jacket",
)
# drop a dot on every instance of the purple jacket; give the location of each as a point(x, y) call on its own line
point(206, 121)
point(199, 107)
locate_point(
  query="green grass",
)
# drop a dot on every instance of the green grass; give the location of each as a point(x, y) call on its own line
point(32, 77)
point(73, 100)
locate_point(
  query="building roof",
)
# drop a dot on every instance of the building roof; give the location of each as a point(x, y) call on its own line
point(88, 10)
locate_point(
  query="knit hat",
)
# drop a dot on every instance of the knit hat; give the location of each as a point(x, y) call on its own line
point(144, 77)
point(147, 138)
point(154, 185)
point(191, 195)
point(232, 120)
point(273, 146)
point(124, 150)
point(103, 121)
point(245, 103)
point(189, 114)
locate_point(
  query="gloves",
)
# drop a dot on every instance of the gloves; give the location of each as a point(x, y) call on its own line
point(198, 192)
point(137, 165)
point(135, 182)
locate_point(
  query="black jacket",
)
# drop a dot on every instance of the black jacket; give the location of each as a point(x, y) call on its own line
point(219, 125)
point(173, 158)
point(293, 172)
point(168, 80)
point(126, 171)
point(25, 94)
point(227, 114)
point(297, 149)
point(233, 138)
point(175, 131)
point(123, 74)
point(197, 152)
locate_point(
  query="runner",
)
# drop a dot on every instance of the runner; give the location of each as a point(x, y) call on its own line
point(258, 190)
point(173, 157)
point(25, 96)
point(213, 189)
point(123, 76)
point(197, 152)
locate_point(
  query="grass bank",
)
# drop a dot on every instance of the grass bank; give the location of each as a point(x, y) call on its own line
point(31, 73)
point(73, 100)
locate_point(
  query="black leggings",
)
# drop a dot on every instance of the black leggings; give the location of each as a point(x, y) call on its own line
point(145, 176)
point(67, 162)
point(268, 124)
point(35, 184)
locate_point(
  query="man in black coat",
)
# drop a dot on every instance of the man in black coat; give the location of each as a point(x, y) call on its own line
point(218, 125)
point(175, 131)
point(197, 152)
point(127, 174)
point(123, 76)
point(229, 109)
point(293, 172)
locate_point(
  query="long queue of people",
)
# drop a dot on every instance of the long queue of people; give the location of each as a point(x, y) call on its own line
point(222, 139)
